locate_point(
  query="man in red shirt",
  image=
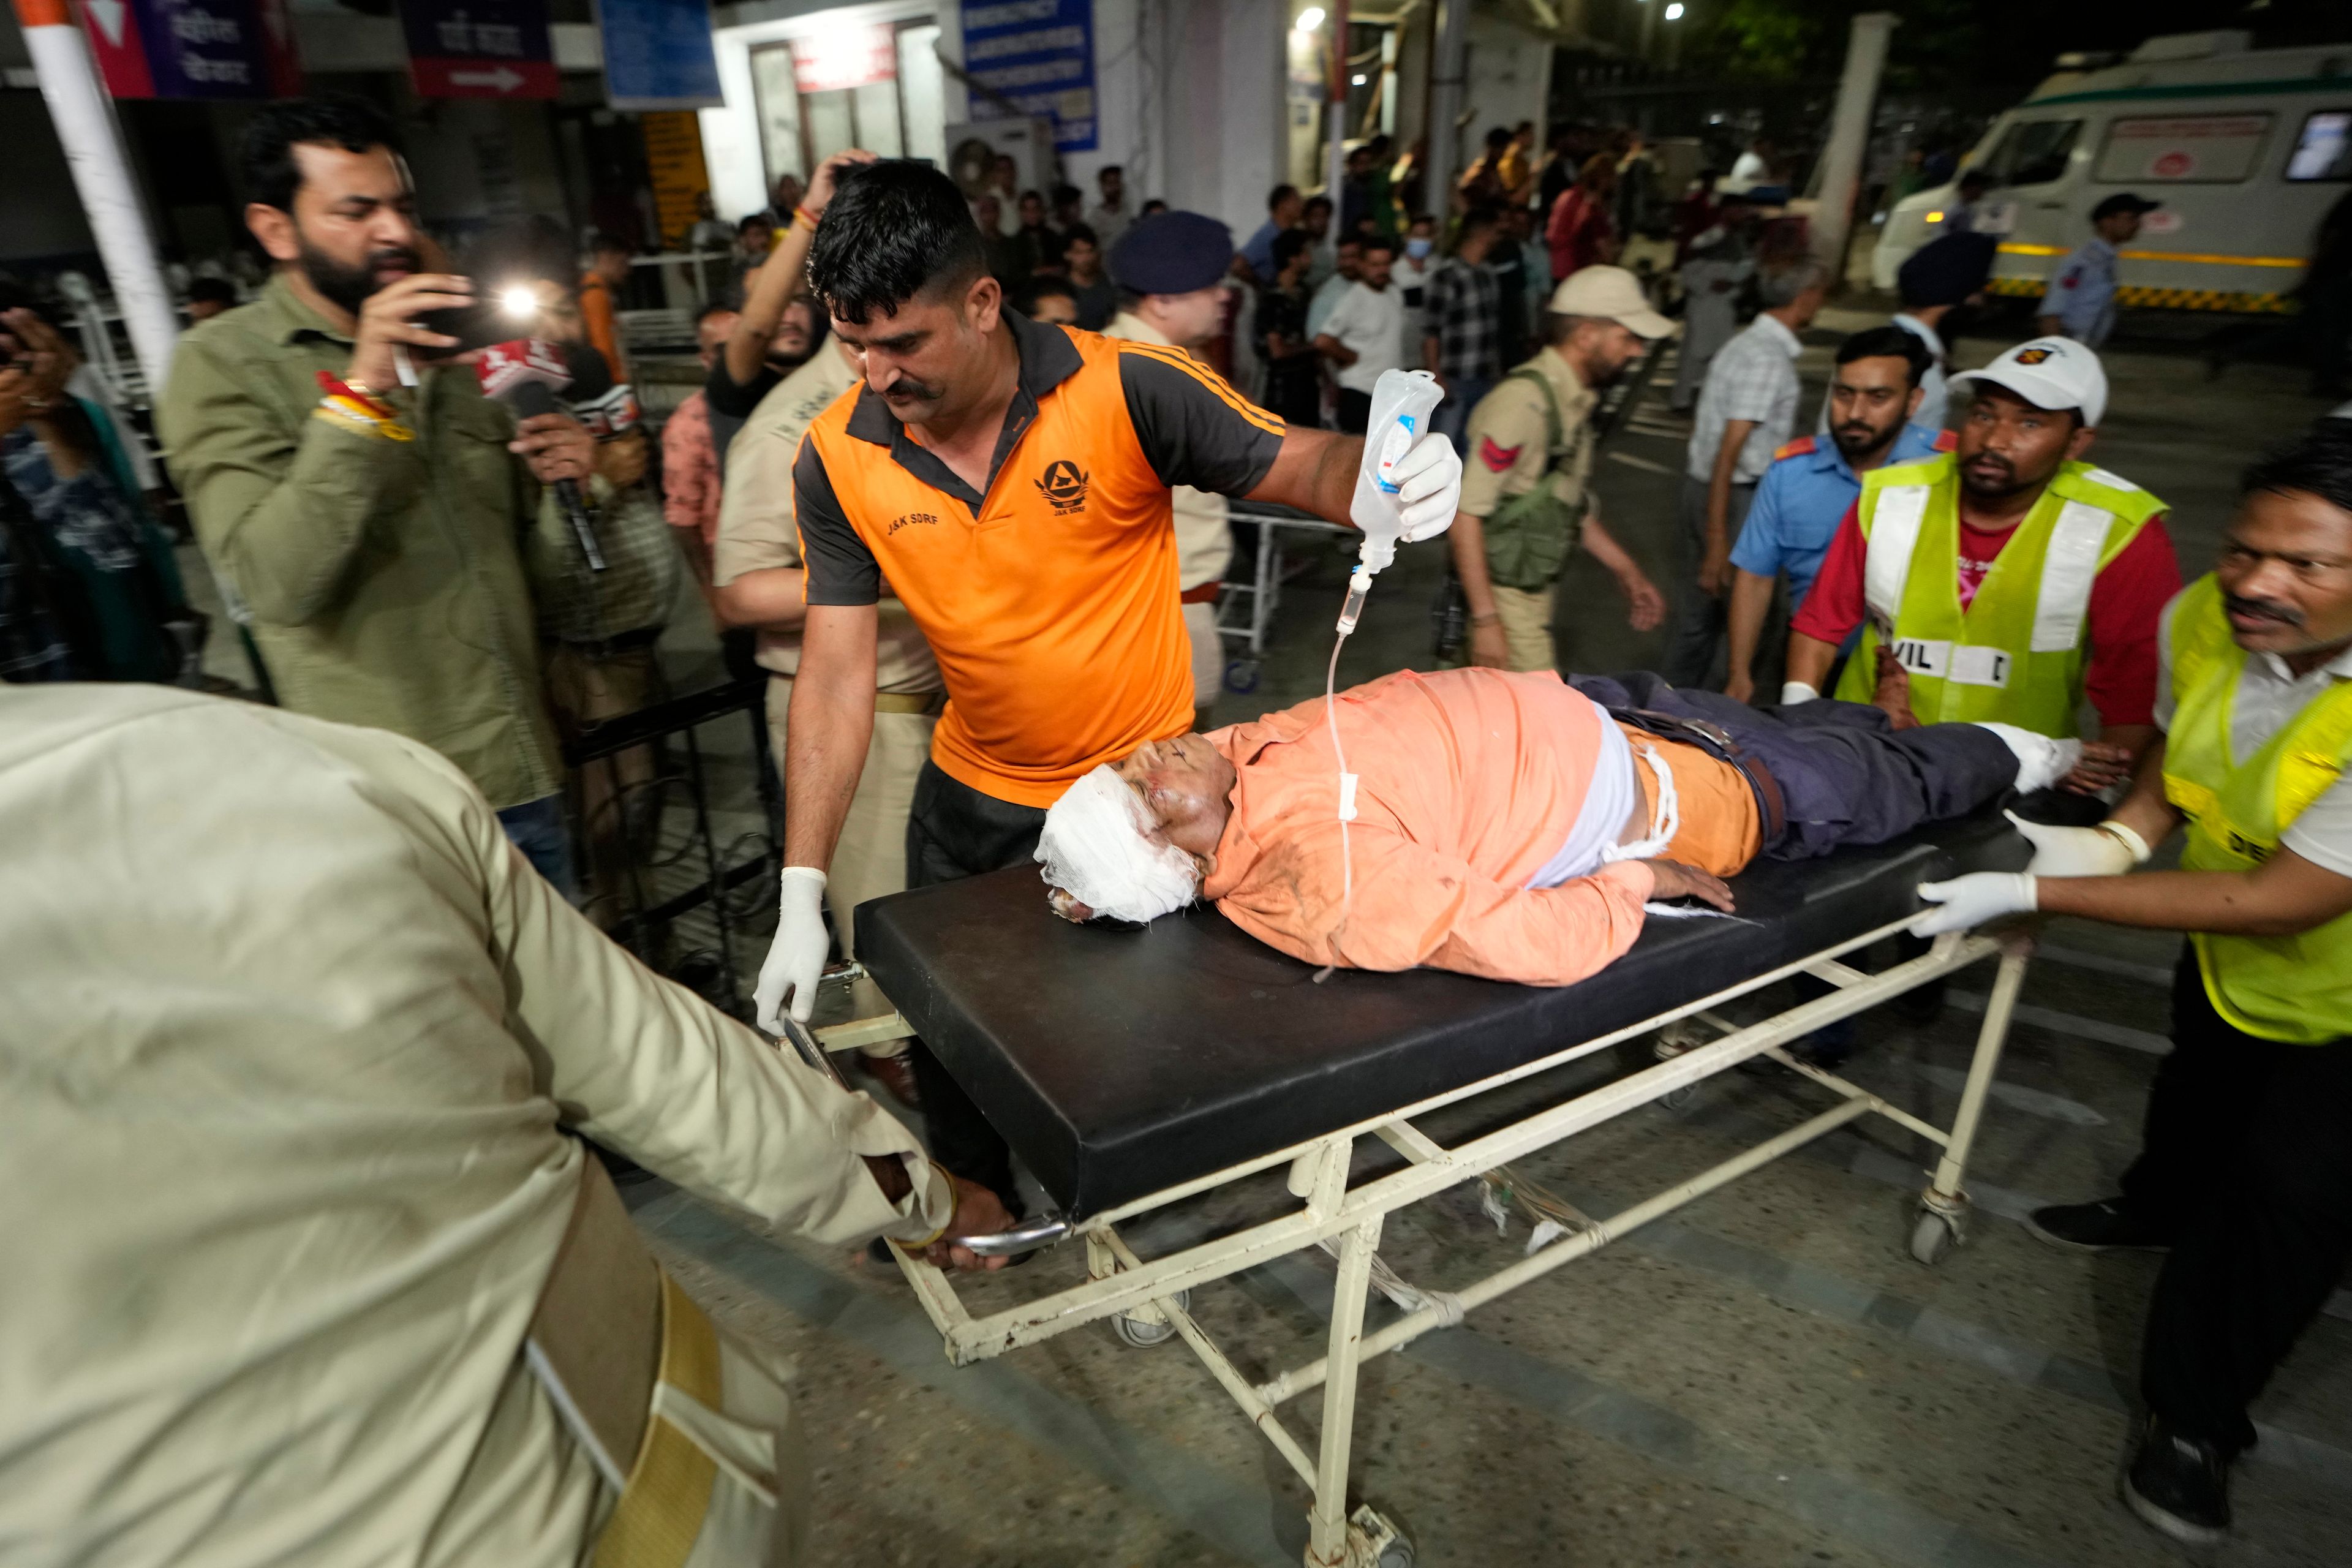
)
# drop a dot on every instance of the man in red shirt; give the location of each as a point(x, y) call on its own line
point(2073, 616)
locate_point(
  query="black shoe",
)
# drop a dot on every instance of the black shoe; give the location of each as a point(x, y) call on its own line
point(2180, 1485)
point(2102, 1226)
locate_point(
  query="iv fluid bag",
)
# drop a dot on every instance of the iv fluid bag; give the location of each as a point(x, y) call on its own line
point(1402, 402)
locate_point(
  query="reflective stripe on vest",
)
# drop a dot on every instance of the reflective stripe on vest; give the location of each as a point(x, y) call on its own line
point(2017, 654)
point(2292, 988)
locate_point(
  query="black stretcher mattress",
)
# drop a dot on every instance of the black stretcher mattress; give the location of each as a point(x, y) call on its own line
point(1118, 1062)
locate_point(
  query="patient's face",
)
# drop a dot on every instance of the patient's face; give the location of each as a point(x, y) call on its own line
point(1187, 786)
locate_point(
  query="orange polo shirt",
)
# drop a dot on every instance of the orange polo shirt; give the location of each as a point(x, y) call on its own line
point(1468, 782)
point(1050, 597)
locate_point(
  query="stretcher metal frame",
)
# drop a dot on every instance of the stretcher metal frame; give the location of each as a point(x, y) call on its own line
point(1264, 590)
point(1149, 1296)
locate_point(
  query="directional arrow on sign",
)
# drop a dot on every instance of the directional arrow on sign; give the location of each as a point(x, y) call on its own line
point(498, 80)
point(107, 15)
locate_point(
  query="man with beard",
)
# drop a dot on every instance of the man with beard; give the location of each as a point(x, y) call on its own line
point(1009, 481)
point(2244, 1176)
point(1526, 499)
point(348, 480)
point(1802, 497)
point(2008, 579)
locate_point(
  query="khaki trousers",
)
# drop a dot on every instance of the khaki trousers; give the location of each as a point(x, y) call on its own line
point(871, 858)
point(1527, 627)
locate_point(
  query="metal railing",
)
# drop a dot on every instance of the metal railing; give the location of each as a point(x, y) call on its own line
point(678, 849)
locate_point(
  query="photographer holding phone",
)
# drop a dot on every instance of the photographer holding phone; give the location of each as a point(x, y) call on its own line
point(348, 478)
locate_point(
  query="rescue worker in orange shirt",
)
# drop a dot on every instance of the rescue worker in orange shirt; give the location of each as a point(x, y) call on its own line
point(1011, 481)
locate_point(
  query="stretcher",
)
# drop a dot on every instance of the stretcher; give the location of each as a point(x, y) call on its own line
point(1130, 1070)
point(1246, 610)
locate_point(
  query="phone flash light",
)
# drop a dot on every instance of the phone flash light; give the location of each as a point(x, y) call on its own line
point(518, 301)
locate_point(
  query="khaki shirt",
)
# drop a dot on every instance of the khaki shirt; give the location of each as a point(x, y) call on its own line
point(1205, 536)
point(757, 530)
point(297, 1043)
point(384, 578)
point(1508, 433)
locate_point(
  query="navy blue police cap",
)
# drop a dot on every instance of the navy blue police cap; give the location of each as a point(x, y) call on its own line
point(1947, 270)
point(1171, 253)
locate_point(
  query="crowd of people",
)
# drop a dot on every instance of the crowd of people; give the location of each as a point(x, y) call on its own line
point(958, 472)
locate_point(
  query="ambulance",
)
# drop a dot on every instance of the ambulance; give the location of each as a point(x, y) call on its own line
point(2246, 148)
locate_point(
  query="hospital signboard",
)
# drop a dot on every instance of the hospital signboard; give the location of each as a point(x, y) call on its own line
point(193, 49)
point(1034, 59)
point(479, 49)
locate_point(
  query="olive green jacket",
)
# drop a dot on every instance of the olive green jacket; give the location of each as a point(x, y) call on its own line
point(386, 577)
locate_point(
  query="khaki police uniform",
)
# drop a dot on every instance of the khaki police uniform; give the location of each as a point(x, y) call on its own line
point(1509, 455)
point(1204, 547)
point(305, 1243)
point(757, 533)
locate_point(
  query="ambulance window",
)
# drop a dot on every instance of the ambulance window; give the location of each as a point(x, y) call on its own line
point(2324, 150)
point(2182, 149)
point(2032, 151)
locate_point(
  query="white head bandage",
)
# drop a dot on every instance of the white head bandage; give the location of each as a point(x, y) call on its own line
point(1098, 847)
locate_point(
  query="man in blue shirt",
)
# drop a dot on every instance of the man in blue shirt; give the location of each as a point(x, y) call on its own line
point(1812, 483)
point(2081, 300)
point(1254, 263)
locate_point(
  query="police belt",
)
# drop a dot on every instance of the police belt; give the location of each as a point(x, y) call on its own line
point(609, 1326)
point(1771, 811)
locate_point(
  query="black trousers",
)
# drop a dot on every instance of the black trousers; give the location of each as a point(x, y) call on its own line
point(1846, 775)
point(954, 832)
point(2248, 1157)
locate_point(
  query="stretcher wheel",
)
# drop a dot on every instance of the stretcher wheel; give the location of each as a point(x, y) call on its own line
point(1932, 1238)
point(1374, 1541)
point(1241, 676)
point(1144, 1333)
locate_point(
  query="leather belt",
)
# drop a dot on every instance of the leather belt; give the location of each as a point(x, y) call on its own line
point(1206, 593)
point(910, 701)
point(1771, 810)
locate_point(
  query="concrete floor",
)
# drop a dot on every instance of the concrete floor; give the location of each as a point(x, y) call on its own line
point(1764, 1378)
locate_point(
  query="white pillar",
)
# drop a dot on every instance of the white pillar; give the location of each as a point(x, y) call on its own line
point(84, 117)
point(1865, 57)
point(1445, 84)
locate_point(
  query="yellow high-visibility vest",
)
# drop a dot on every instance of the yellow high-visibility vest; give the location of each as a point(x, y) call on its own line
point(2018, 652)
point(2291, 988)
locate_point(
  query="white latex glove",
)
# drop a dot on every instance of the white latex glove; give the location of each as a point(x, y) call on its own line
point(796, 958)
point(1428, 487)
point(1973, 900)
point(1795, 691)
point(2073, 851)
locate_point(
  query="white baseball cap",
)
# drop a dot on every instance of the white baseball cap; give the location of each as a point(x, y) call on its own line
point(1613, 294)
point(2049, 373)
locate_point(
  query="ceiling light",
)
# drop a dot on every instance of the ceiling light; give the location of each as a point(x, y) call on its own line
point(1675, 12)
point(1309, 19)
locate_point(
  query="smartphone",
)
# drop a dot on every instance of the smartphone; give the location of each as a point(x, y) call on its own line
point(475, 326)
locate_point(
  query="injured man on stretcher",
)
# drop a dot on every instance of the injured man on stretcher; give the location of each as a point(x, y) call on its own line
point(1520, 826)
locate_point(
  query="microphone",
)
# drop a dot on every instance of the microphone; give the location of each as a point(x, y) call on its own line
point(523, 374)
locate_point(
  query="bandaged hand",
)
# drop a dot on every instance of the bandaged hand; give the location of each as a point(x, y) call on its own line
point(2073, 851)
point(1428, 487)
point(796, 959)
point(1971, 900)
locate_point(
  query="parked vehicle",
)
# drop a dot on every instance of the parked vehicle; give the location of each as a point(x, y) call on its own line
point(2247, 149)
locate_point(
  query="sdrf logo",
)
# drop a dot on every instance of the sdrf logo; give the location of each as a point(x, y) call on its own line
point(1064, 485)
point(911, 518)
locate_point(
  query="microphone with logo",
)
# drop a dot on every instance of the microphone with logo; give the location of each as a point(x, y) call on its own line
point(524, 375)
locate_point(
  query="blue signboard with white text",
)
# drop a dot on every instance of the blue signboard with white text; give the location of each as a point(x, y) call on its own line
point(657, 53)
point(1033, 58)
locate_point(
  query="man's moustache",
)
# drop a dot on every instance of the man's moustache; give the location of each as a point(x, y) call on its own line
point(399, 255)
point(2264, 608)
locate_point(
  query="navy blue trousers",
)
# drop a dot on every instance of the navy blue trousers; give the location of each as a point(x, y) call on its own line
point(1846, 775)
